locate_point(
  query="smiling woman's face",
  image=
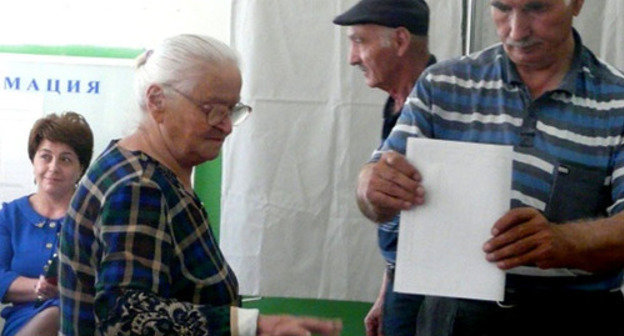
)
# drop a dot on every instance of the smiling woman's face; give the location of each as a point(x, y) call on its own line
point(56, 168)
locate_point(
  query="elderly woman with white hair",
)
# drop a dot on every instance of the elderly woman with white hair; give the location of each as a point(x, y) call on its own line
point(137, 253)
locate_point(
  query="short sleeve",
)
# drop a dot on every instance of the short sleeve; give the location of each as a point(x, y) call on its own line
point(6, 253)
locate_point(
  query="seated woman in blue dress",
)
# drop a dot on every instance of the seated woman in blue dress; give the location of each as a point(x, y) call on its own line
point(60, 149)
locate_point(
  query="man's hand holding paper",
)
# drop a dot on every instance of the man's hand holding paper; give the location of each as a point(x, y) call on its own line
point(523, 236)
point(388, 186)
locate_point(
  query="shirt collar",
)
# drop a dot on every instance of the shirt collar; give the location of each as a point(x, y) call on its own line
point(31, 216)
point(432, 60)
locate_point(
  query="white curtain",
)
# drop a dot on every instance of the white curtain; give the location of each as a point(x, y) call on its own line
point(290, 226)
point(600, 23)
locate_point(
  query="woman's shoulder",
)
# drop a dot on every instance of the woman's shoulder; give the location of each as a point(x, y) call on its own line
point(18, 203)
point(116, 169)
point(19, 207)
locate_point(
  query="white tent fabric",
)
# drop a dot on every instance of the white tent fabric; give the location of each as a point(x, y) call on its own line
point(290, 226)
point(600, 23)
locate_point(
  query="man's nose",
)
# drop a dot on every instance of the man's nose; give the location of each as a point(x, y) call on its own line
point(225, 125)
point(520, 27)
point(354, 57)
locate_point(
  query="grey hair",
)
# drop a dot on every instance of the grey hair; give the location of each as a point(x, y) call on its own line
point(177, 60)
point(386, 33)
point(418, 43)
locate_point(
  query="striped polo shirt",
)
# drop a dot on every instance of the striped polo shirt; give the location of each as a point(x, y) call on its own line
point(568, 156)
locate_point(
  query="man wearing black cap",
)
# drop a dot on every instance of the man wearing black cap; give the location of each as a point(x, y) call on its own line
point(389, 43)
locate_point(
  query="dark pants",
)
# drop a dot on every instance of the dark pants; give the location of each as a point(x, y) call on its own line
point(569, 313)
point(400, 311)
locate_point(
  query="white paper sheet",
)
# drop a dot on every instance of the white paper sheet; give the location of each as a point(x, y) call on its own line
point(440, 242)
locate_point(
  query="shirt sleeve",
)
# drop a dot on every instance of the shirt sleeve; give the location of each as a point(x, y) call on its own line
point(6, 254)
point(617, 180)
point(246, 322)
point(415, 119)
point(132, 293)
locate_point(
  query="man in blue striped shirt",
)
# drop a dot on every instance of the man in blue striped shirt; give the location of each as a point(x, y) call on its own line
point(562, 109)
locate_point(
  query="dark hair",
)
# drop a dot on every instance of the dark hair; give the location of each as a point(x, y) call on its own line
point(69, 128)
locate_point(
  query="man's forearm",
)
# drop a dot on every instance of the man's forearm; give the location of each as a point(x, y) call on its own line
point(600, 243)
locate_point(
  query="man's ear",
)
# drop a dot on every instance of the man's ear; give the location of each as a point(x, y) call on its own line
point(577, 5)
point(402, 37)
point(155, 101)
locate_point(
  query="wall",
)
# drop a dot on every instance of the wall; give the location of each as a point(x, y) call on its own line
point(111, 23)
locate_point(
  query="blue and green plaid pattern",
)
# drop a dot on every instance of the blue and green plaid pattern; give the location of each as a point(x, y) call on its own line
point(137, 252)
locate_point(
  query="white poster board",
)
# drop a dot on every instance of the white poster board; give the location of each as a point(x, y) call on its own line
point(32, 86)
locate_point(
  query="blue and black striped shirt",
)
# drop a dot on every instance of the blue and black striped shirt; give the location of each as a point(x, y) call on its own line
point(568, 161)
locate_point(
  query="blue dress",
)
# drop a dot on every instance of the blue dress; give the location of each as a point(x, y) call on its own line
point(27, 241)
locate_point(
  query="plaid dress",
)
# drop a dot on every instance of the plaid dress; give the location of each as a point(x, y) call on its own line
point(137, 254)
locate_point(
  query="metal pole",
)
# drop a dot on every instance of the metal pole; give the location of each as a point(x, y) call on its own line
point(470, 9)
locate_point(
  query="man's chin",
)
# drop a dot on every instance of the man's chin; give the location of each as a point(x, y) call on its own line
point(371, 83)
point(210, 155)
point(525, 58)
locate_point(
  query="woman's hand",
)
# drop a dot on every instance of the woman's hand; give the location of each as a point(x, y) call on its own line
point(285, 325)
point(45, 290)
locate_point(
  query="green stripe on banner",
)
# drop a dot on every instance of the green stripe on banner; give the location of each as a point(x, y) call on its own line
point(71, 50)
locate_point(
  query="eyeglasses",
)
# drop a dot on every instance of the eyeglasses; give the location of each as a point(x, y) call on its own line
point(214, 114)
